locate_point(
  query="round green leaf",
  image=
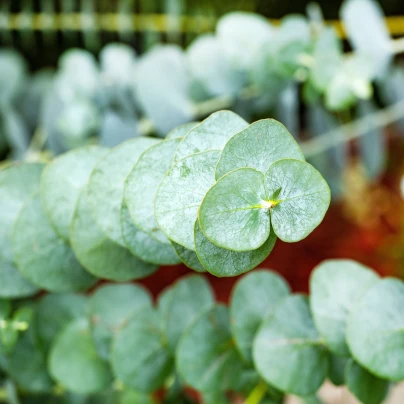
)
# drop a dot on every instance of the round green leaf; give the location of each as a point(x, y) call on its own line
point(301, 197)
point(74, 363)
point(180, 194)
point(253, 298)
point(100, 255)
point(12, 282)
point(336, 373)
point(206, 357)
point(233, 213)
point(62, 181)
point(55, 311)
point(335, 286)
point(211, 134)
point(366, 387)
point(140, 358)
point(189, 297)
point(188, 257)
point(288, 351)
point(105, 187)
point(110, 307)
point(142, 184)
point(222, 262)
point(181, 131)
point(26, 364)
point(374, 330)
point(143, 246)
point(43, 256)
point(17, 183)
point(258, 146)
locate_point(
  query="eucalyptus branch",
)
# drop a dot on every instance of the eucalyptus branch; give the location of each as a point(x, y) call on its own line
point(353, 130)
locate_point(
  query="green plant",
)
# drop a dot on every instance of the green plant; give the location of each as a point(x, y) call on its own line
point(114, 343)
point(203, 194)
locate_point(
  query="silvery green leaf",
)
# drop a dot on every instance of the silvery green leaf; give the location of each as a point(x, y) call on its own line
point(188, 257)
point(258, 146)
point(181, 131)
point(254, 297)
point(74, 362)
point(77, 122)
point(142, 183)
point(117, 63)
point(62, 181)
point(78, 72)
point(366, 387)
point(206, 357)
point(293, 28)
point(140, 357)
point(116, 128)
point(242, 36)
point(180, 194)
point(98, 254)
point(367, 31)
point(372, 145)
point(17, 183)
point(336, 372)
point(222, 262)
point(189, 297)
point(31, 100)
point(232, 214)
point(15, 131)
point(374, 330)
point(14, 71)
point(209, 64)
point(211, 134)
point(287, 110)
point(335, 286)
point(105, 188)
point(287, 350)
point(42, 256)
point(26, 364)
point(332, 162)
point(55, 311)
point(143, 246)
point(327, 58)
point(110, 308)
point(302, 198)
point(164, 97)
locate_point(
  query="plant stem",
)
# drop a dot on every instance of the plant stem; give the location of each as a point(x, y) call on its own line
point(257, 394)
point(353, 130)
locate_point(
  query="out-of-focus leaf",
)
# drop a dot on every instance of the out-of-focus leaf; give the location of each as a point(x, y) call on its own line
point(164, 97)
point(287, 109)
point(208, 63)
point(78, 73)
point(74, 363)
point(15, 131)
point(392, 91)
point(13, 71)
point(367, 31)
point(242, 36)
point(79, 120)
point(372, 145)
point(332, 162)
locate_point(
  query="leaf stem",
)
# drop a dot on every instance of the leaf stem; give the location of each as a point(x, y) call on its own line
point(257, 394)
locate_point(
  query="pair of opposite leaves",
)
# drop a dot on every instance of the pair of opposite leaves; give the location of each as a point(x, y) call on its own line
point(259, 177)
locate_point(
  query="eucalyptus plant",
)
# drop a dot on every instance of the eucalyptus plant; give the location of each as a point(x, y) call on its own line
point(114, 345)
point(215, 195)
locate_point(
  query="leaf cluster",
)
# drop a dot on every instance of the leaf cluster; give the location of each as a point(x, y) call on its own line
point(116, 342)
point(214, 195)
